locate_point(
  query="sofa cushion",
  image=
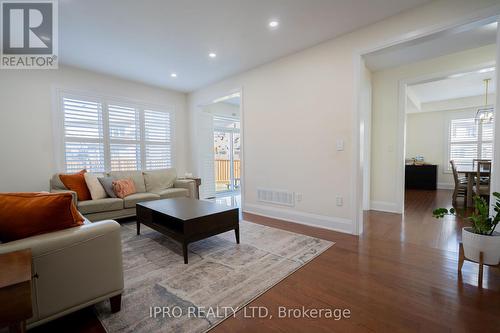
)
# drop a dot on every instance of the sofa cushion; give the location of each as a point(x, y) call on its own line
point(131, 200)
point(27, 214)
point(173, 193)
point(136, 176)
point(157, 180)
point(76, 182)
point(100, 205)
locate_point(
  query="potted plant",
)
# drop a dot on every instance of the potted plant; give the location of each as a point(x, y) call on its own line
point(481, 236)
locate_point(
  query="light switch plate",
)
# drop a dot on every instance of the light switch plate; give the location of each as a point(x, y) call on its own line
point(340, 145)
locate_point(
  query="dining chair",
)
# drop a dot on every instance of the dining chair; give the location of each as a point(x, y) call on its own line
point(482, 183)
point(460, 185)
point(484, 179)
point(477, 160)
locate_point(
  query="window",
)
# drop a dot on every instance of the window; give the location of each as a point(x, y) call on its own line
point(83, 135)
point(107, 136)
point(124, 138)
point(469, 140)
point(157, 139)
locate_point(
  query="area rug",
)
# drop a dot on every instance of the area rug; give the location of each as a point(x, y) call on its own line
point(162, 294)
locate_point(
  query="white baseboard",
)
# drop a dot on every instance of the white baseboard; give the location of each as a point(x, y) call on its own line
point(445, 186)
point(313, 220)
point(383, 206)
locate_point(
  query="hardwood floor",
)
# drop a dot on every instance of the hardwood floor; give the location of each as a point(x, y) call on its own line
point(399, 276)
point(418, 226)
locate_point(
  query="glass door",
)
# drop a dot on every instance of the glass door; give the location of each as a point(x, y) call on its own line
point(227, 155)
point(236, 163)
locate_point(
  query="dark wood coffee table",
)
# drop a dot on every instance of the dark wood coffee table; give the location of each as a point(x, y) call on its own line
point(188, 220)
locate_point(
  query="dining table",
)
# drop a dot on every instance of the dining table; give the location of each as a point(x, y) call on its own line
point(470, 172)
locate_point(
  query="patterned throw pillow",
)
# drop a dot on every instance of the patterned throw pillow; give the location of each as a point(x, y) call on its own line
point(123, 187)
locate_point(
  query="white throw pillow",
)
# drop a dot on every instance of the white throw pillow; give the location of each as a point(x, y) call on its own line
point(95, 188)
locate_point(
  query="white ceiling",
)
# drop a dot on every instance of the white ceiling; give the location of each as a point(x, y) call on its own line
point(148, 40)
point(428, 48)
point(452, 88)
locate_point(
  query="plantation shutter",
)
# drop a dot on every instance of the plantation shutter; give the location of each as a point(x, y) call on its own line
point(124, 138)
point(83, 135)
point(205, 140)
point(463, 141)
point(469, 140)
point(157, 139)
point(487, 141)
point(101, 135)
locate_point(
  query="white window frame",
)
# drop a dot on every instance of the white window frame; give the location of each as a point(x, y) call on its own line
point(479, 141)
point(59, 138)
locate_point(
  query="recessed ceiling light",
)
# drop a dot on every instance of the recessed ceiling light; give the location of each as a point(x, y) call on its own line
point(212, 55)
point(173, 75)
point(273, 24)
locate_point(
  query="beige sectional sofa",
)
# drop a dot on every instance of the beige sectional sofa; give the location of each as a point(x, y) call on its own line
point(150, 185)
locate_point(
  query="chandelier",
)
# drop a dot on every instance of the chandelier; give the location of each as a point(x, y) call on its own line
point(486, 113)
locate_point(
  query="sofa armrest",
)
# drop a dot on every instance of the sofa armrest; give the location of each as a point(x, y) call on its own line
point(73, 193)
point(74, 267)
point(188, 184)
point(59, 240)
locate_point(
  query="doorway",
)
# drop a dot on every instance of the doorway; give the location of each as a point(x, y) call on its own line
point(394, 76)
point(221, 149)
point(227, 155)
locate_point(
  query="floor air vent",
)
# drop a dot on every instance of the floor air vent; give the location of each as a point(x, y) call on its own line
point(276, 197)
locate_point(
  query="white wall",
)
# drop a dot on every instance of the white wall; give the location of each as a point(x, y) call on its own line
point(26, 107)
point(385, 160)
point(433, 147)
point(296, 108)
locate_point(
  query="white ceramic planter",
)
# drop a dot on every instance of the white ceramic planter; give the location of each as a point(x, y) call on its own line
point(475, 243)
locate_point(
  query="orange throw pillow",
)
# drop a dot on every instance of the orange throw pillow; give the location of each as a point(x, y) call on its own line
point(27, 214)
point(123, 187)
point(76, 182)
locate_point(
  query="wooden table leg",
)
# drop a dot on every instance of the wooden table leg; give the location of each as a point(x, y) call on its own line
point(185, 252)
point(480, 275)
point(138, 227)
point(237, 234)
point(470, 184)
point(461, 256)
